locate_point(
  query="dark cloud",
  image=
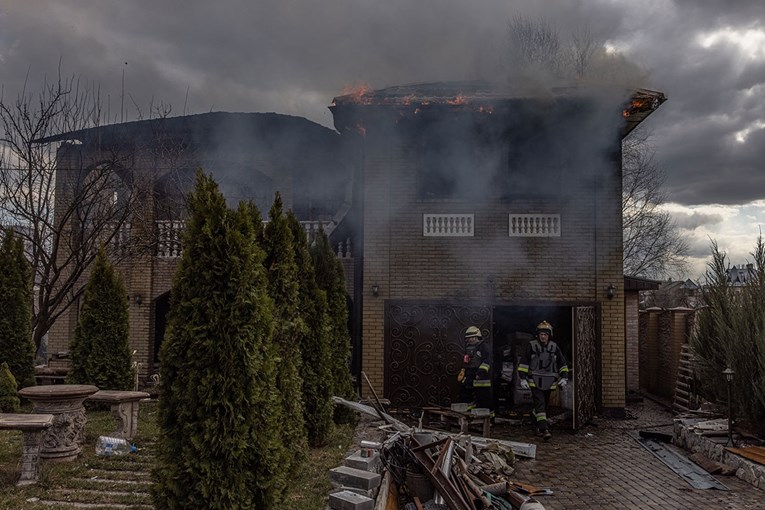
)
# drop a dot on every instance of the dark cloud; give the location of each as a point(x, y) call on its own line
point(293, 56)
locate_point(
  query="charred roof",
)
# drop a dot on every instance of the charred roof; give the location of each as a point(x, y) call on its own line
point(484, 97)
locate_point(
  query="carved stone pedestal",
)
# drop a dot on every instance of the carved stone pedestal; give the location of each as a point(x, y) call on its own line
point(62, 441)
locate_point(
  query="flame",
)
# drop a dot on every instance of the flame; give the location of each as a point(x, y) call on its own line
point(407, 100)
point(640, 104)
point(460, 99)
point(359, 93)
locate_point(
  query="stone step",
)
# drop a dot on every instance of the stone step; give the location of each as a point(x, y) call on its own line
point(351, 477)
point(75, 504)
point(358, 461)
point(347, 500)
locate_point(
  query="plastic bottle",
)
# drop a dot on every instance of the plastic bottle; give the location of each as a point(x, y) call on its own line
point(108, 446)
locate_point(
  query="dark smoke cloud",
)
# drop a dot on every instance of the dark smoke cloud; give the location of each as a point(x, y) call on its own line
point(293, 56)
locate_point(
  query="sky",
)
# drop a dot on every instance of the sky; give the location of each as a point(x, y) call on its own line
point(294, 56)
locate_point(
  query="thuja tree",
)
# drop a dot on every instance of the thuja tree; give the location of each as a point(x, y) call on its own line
point(284, 289)
point(16, 345)
point(9, 398)
point(220, 443)
point(329, 277)
point(313, 341)
point(731, 333)
point(100, 351)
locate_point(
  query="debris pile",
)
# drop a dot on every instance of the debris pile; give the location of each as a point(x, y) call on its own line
point(435, 470)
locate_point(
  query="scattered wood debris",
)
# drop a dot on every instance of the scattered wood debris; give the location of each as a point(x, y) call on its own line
point(430, 469)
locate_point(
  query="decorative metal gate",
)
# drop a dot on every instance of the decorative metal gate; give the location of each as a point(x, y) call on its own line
point(424, 348)
point(584, 363)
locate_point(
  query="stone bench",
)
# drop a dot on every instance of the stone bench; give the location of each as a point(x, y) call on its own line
point(33, 426)
point(124, 407)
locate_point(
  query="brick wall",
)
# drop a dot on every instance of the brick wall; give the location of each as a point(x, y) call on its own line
point(632, 338)
point(491, 266)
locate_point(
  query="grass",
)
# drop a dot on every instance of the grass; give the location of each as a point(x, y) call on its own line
point(123, 480)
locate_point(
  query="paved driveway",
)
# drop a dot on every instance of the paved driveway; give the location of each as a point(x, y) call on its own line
point(601, 467)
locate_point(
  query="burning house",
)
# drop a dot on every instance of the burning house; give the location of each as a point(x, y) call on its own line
point(452, 204)
point(494, 208)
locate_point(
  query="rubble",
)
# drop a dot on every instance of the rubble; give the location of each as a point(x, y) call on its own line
point(421, 469)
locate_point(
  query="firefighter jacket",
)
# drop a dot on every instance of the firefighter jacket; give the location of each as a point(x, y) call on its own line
point(543, 366)
point(476, 366)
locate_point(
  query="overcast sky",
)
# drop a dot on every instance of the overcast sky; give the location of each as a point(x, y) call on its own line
point(294, 56)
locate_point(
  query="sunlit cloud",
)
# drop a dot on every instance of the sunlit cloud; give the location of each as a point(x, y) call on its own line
point(742, 135)
point(750, 41)
point(733, 228)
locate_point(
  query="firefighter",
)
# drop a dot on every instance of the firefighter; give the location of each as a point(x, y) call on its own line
point(542, 369)
point(475, 376)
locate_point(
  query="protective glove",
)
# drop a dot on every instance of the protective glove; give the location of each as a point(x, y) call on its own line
point(562, 383)
point(524, 384)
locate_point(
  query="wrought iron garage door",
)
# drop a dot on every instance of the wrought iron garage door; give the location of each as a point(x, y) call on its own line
point(585, 364)
point(424, 348)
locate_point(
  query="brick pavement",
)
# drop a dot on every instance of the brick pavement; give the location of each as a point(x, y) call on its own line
point(601, 467)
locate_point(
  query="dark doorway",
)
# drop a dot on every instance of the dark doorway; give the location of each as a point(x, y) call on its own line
point(514, 328)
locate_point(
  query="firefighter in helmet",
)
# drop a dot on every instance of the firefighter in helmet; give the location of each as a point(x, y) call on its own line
point(475, 376)
point(542, 369)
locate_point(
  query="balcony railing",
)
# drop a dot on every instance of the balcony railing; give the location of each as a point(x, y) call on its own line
point(447, 225)
point(169, 237)
point(534, 225)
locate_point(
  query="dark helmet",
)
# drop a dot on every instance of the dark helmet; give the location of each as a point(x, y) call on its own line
point(472, 331)
point(545, 326)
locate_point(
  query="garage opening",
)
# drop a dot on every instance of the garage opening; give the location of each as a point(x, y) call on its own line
point(513, 329)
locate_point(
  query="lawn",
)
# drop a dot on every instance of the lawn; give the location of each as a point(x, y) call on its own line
point(125, 480)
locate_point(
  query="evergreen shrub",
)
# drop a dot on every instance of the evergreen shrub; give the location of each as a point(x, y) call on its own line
point(100, 351)
point(17, 348)
point(219, 412)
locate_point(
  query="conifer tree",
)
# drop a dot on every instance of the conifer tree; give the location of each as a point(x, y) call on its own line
point(100, 351)
point(313, 340)
point(730, 333)
point(16, 345)
point(219, 415)
point(284, 289)
point(9, 398)
point(329, 277)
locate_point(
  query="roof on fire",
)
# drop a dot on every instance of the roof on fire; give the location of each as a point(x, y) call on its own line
point(637, 103)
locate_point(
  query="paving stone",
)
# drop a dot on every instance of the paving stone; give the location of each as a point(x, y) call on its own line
point(347, 500)
point(351, 477)
point(601, 467)
point(357, 461)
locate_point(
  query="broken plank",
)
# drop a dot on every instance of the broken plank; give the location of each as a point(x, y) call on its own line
point(753, 453)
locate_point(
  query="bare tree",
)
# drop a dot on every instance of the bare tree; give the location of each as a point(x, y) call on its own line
point(653, 245)
point(535, 45)
point(62, 203)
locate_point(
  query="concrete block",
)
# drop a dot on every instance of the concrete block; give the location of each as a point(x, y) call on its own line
point(347, 500)
point(351, 477)
point(357, 461)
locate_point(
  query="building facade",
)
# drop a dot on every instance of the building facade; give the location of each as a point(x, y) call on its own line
point(452, 204)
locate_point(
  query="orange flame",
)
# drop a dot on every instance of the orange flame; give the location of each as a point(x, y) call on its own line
point(460, 99)
point(358, 93)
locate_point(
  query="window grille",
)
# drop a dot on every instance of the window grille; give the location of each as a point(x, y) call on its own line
point(534, 225)
point(447, 225)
